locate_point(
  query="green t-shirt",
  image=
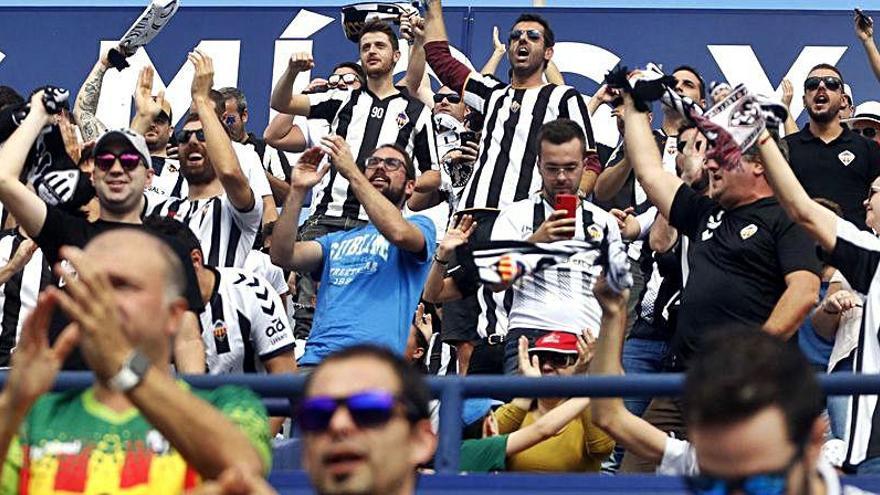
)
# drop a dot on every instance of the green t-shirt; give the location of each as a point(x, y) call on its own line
point(71, 443)
point(484, 455)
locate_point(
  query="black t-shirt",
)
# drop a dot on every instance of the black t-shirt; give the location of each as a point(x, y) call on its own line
point(64, 229)
point(841, 170)
point(738, 263)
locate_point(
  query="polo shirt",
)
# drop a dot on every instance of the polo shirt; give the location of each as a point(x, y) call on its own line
point(841, 170)
point(738, 261)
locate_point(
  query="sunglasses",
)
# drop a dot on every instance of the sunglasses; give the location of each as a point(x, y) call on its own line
point(770, 483)
point(184, 136)
point(450, 97)
point(128, 160)
point(831, 82)
point(162, 118)
point(532, 34)
point(370, 409)
point(868, 132)
point(391, 164)
point(346, 78)
point(681, 145)
point(556, 359)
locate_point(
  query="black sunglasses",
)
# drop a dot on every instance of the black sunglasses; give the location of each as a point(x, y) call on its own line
point(868, 132)
point(391, 164)
point(184, 135)
point(769, 483)
point(556, 359)
point(831, 82)
point(532, 34)
point(129, 160)
point(370, 409)
point(450, 97)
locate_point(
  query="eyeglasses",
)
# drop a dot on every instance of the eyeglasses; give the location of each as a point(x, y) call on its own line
point(128, 160)
point(348, 79)
point(184, 135)
point(450, 97)
point(556, 359)
point(831, 82)
point(370, 409)
point(868, 132)
point(532, 34)
point(391, 164)
point(770, 483)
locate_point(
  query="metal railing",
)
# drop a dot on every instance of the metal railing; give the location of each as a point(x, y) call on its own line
point(278, 390)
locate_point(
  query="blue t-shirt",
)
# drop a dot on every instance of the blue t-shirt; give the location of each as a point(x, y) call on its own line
point(369, 290)
point(815, 347)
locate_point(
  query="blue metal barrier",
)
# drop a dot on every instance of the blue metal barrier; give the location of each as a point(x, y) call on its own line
point(276, 391)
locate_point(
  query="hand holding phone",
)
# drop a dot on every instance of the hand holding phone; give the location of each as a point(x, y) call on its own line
point(567, 202)
point(864, 24)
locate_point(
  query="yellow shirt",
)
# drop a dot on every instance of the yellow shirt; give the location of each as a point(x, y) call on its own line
point(579, 447)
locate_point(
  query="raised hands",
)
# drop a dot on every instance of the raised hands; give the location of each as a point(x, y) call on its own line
point(146, 104)
point(340, 154)
point(528, 366)
point(306, 173)
point(864, 26)
point(498, 46)
point(586, 345)
point(203, 79)
point(300, 62)
point(457, 234)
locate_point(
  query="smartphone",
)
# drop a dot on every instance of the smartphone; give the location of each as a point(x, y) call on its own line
point(467, 137)
point(864, 21)
point(567, 202)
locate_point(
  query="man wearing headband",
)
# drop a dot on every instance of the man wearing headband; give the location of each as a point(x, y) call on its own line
point(829, 160)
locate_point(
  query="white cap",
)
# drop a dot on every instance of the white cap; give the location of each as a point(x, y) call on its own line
point(129, 136)
point(869, 110)
point(848, 92)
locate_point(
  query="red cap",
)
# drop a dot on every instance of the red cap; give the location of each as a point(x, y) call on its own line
point(561, 342)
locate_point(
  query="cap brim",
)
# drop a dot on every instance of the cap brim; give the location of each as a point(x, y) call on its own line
point(551, 349)
point(851, 120)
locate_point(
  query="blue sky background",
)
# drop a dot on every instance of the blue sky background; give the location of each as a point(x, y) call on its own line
point(869, 5)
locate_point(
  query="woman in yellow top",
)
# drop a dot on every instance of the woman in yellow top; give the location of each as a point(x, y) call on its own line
point(580, 446)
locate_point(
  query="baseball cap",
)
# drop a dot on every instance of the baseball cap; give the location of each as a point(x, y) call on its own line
point(869, 110)
point(847, 92)
point(476, 409)
point(127, 136)
point(559, 342)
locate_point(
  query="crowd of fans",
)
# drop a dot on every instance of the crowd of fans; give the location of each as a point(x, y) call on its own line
point(381, 231)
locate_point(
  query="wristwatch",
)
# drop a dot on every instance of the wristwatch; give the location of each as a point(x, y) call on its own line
point(132, 373)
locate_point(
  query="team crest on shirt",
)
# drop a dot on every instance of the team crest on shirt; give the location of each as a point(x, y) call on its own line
point(595, 233)
point(402, 119)
point(748, 231)
point(514, 107)
point(846, 157)
point(220, 330)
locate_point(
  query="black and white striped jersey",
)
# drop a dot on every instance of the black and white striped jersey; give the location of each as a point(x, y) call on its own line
point(18, 296)
point(243, 324)
point(226, 233)
point(560, 297)
point(259, 262)
point(169, 182)
point(505, 171)
point(366, 122)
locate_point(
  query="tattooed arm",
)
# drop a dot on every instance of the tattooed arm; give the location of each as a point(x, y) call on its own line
point(86, 105)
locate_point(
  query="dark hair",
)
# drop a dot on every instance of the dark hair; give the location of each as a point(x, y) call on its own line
point(355, 67)
point(174, 231)
point(828, 67)
point(740, 372)
point(413, 388)
point(230, 93)
point(831, 205)
point(561, 131)
point(694, 71)
point(549, 37)
point(9, 97)
point(268, 229)
point(376, 26)
point(407, 160)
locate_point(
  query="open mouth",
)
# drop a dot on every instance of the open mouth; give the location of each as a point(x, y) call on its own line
point(522, 53)
point(821, 99)
point(195, 158)
point(379, 181)
point(342, 462)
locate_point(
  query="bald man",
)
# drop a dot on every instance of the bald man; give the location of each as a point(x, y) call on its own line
point(144, 429)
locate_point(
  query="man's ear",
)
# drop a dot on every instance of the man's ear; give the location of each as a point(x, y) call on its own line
point(423, 443)
point(244, 116)
point(396, 56)
point(548, 53)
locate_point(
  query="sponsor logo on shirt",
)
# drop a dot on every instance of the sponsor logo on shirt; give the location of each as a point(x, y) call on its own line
point(748, 231)
point(55, 448)
point(846, 157)
point(711, 224)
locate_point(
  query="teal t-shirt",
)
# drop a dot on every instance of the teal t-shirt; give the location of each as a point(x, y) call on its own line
point(484, 455)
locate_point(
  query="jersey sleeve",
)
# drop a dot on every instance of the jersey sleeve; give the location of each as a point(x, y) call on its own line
point(425, 143)
point(506, 228)
point(572, 107)
point(252, 168)
point(270, 329)
point(795, 249)
point(325, 105)
point(510, 418)
point(688, 210)
point(426, 227)
point(60, 229)
point(679, 459)
point(856, 255)
point(477, 90)
point(247, 221)
point(241, 406)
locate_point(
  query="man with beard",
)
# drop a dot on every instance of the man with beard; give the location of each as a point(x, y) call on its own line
point(221, 207)
point(829, 160)
point(371, 276)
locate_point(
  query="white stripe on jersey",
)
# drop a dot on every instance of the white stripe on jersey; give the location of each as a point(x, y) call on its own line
point(505, 171)
point(366, 122)
point(259, 262)
point(559, 297)
point(18, 296)
point(171, 180)
point(243, 324)
point(226, 234)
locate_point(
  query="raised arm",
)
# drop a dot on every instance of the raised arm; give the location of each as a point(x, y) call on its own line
point(23, 254)
point(438, 287)
point(217, 143)
point(790, 126)
point(415, 67)
point(86, 106)
point(547, 425)
point(23, 203)
point(641, 151)
point(147, 107)
point(450, 71)
point(382, 213)
point(554, 75)
point(286, 251)
point(819, 222)
point(500, 49)
point(865, 34)
point(283, 135)
point(283, 100)
point(630, 431)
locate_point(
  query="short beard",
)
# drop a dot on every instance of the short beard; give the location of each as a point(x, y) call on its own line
point(395, 195)
point(823, 117)
point(198, 178)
